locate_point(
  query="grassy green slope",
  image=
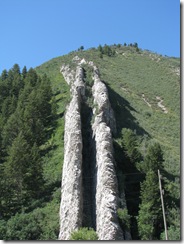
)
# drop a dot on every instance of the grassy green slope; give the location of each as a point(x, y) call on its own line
point(129, 75)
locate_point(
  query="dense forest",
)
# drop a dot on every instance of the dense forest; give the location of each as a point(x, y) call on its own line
point(32, 107)
point(26, 123)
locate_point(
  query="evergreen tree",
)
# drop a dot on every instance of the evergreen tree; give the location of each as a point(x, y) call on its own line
point(12, 128)
point(145, 222)
point(16, 69)
point(150, 220)
point(24, 72)
point(150, 213)
point(23, 171)
point(100, 49)
point(154, 158)
point(17, 85)
point(9, 106)
point(130, 145)
point(135, 44)
point(4, 75)
point(107, 50)
point(44, 97)
point(5, 87)
point(9, 81)
point(31, 77)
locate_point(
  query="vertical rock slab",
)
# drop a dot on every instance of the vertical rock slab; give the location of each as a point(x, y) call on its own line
point(107, 226)
point(71, 197)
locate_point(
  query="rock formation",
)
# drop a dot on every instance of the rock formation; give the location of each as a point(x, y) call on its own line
point(71, 200)
point(98, 169)
point(107, 226)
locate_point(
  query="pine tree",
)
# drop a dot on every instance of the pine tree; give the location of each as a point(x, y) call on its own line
point(31, 77)
point(16, 69)
point(24, 72)
point(145, 222)
point(9, 106)
point(154, 158)
point(150, 213)
point(150, 222)
point(12, 128)
point(107, 50)
point(4, 75)
point(23, 172)
point(130, 145)
point(17, 85)
point(5, 85)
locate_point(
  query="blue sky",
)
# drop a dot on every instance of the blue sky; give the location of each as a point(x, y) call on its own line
point(34, 31)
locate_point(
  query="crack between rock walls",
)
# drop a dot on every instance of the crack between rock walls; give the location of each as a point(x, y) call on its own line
point(88, 168)
point(88, 156)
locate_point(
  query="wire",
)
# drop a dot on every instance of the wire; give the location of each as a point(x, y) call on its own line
point(135, 174)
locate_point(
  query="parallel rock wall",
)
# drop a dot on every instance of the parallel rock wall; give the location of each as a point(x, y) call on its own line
point(107, 225)
point(105, 181)
point(71, 197)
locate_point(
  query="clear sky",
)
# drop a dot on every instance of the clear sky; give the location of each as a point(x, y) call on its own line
point(34, 31)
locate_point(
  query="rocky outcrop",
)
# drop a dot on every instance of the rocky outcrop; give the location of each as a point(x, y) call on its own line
point(107, 225)
point(99, 188)
point(68, 74)
point(101, 99)
point(71, 200)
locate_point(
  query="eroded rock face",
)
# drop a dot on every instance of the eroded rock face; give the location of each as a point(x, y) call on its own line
point(105, 181)
point(71, 198)
point(107, 225)
point(67, 73)
point(78, 84)
point(101, 98)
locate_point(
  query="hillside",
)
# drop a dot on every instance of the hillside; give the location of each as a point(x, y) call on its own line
point(142, 79)
point(144, 93)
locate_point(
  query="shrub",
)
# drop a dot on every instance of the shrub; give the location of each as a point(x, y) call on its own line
point(2, 229)
point(23, 227)
point(173, 233)
point(124, 217)
point(84, 234)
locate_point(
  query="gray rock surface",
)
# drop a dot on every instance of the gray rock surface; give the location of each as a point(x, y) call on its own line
point(106, 193)
point(67, 73)
point(101, 98)
point(107, 225)
point(71, 198)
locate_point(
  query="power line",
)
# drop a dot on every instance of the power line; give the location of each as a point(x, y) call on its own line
point(135, 174)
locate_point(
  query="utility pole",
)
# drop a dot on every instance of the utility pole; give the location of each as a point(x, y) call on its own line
point(162, 201)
